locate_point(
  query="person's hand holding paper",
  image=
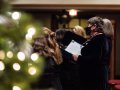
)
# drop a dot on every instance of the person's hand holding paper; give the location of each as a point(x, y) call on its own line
point(74, 48)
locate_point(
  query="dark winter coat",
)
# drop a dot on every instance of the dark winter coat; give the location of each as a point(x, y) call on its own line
point(92, 64)
point(50, 77)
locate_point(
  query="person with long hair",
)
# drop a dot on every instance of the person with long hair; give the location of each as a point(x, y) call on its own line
point(109, 32)
point(79, 30)
point(46, 46)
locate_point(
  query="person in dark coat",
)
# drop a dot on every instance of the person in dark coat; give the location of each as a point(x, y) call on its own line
point(109, 32)
point(46, 46)
point(92, 61)
point(65, 36)
point(69, 69)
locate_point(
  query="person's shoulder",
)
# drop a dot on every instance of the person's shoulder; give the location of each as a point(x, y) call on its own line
point(98, 37)
point(101, 35)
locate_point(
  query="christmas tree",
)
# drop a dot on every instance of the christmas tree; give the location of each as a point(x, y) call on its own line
point(18, 65)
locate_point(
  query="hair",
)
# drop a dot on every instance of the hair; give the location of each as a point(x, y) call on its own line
point(60, 33)
point(46, 46)
point(108, 27)
point(99, 23)
point(79, 30)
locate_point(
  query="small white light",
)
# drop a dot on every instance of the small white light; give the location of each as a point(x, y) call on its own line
point(9, 54)
point(16, 67)
point(32, 70)
point(64, 16)
point(2, 66)
point(2, 54)
point(29, 64)
point(31, 31)
point(16, 88)
point(34, 56)
point(21, 56)
point(9, 13)
point(72, 12)
point(28, 36)
point(16, 15)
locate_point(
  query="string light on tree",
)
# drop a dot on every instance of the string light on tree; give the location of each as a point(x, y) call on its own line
point(16, 88)
point(34, 56)
point(32, 70)
point(16, 15)
point(21, 56)
point(29, 64)
point(28, 37)
point(9, 13)
point(9, 54)
point(30, 33)
point(2, 66)
point(2, 54)
point(16, 66)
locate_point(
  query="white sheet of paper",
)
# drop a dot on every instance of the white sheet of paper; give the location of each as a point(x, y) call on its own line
point(74, 48)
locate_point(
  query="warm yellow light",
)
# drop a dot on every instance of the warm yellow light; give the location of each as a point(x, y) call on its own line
point(72, 12)
point(29, 64)
point(16, 67)
point(9, 54)
point(34, 56)
point(16, 88)
point(64, 16)
point(2, 54)
point(32, 70)
point(21, 56)
point(16, 15)
point(2, 66)
point(31, 31)
point(28, 36)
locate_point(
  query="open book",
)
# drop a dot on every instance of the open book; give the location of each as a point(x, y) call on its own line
point(74, 48)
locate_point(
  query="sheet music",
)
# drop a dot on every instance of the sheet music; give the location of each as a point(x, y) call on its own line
point(74, 48)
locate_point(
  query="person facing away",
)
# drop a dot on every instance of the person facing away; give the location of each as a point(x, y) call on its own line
point(91, 61)
point(108, 30)
point(69, 69)
point(79, 30)
point(65, 36)
point(46, 46)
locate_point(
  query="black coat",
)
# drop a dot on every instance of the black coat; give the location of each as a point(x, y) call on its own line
point(69, 36)
point(92, 64)
point(50, 77)
point(69, 69)
point(69, 72)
